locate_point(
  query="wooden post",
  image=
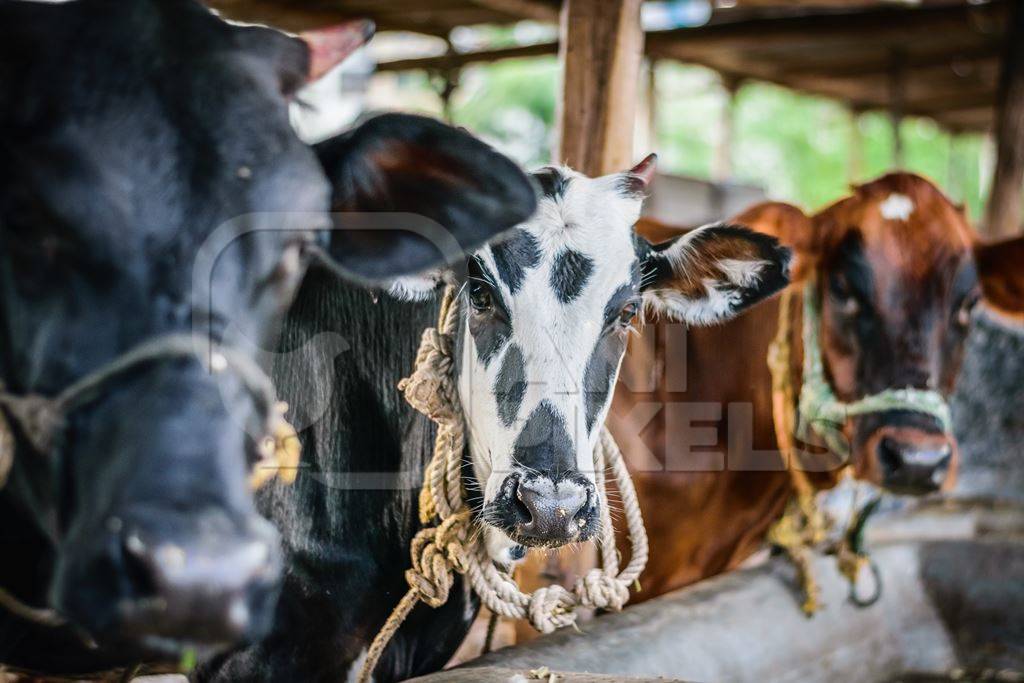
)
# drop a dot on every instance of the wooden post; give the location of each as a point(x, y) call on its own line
point(652, 106)
point(722, 162)
point(897, 99)
point(1003, 215)
point(954, 173)
point(601, 49)
point(449, 82)
point(855, 170)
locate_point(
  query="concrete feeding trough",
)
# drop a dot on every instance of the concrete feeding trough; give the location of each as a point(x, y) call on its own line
point(952, 608)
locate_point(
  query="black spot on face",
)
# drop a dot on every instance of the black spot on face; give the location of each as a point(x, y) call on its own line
point(490, 333)
point(552, 183)
point(544, 444)
point(619, 298)
point(632, 187)
point(510, 385)
point(569, 274)
point(601, 368)
point(514, 256)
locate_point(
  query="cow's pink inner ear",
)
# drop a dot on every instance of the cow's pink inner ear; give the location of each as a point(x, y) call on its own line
point(646, 169)
point(330, 46)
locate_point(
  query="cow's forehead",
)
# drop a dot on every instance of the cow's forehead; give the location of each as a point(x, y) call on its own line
point(908, 210)
point(581, 237)
point(907, 227)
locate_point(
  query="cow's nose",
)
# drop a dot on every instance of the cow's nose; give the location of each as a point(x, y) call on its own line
point(555, 512)
point(914, 467)
point(216, 584)
point(204, 590)
point(165, 580)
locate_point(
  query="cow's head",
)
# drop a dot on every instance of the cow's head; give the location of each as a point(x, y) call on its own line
point(129, 133)
point(898, 272)
point(545, 319)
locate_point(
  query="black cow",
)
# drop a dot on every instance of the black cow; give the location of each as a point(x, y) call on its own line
point(131, 133)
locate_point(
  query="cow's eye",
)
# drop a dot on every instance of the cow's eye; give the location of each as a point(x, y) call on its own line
point(965, 310)
point(480, 297)
point(628, 312)
point(844, 296)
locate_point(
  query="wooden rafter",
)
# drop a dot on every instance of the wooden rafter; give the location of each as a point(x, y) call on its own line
point(456, 60)
point(836, 48)
point(538, 10)
point(878, 25)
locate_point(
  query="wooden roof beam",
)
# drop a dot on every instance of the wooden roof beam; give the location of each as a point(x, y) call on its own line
point(789, 31)
point(875, 66)
point(538, 10)
point(301, 18)
point(455, 60)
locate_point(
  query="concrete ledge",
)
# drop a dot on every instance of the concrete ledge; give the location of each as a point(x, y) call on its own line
point(501, 675)
point(950, 602)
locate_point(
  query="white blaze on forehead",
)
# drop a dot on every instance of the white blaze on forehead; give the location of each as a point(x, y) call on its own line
point(897, 207)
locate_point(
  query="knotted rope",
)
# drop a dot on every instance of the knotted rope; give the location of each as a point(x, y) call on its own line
point(803, 526)
point(452, 543)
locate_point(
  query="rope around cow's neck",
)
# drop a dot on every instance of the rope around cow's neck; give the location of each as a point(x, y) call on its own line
point(804, 526)
point(451, 545)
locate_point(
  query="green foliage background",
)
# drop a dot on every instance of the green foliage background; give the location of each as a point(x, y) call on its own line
point(798, 147)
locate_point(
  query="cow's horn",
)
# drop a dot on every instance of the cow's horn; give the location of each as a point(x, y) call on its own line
point(328, 47)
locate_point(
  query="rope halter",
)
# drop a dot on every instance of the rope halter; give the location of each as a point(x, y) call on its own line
point(451, 541)
point(825, 414)
point(803, 526)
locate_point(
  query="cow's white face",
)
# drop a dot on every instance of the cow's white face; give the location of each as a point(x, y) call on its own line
point(546, 315)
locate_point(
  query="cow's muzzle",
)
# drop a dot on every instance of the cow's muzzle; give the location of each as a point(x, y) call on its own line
point(538, 510)
point(161, 581)
point(913, 462)
point(906, 452)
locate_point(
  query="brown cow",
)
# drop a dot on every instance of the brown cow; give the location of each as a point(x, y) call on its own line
point(898, 271)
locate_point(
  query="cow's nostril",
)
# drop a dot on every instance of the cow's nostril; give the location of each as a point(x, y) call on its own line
point(914, 466)
point(889, 456)
point(138, 567)
point(553, 510)
point(522, 510)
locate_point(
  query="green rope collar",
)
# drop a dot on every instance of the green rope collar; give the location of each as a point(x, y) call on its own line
point(825, 414)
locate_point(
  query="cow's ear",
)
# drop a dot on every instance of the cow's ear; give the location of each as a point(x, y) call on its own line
point(792, 228)
point(419, 287)
point(1002, 276)
point(713, 273)
point(410, 193)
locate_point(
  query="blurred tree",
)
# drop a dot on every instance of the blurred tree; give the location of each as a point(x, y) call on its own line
point(512, 105)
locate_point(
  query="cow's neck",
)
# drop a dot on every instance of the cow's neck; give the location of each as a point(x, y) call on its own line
point(348, 519)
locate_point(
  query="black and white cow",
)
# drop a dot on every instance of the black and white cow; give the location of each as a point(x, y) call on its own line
point(129, 132)
point(544, 320)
